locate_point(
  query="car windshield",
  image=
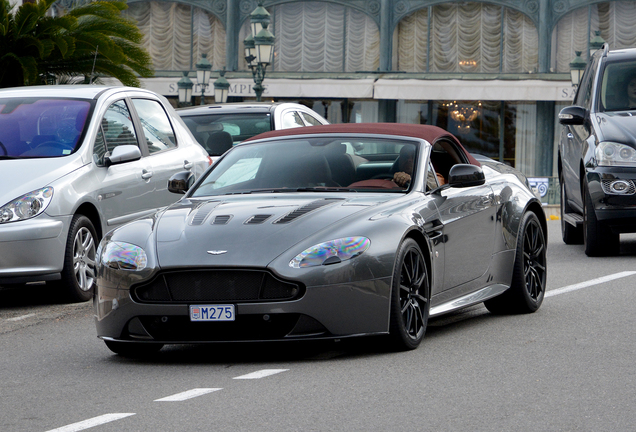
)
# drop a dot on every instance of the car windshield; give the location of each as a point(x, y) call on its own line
point(240, 126)
point(618, 86)
point(312, 164)
point(41, 127)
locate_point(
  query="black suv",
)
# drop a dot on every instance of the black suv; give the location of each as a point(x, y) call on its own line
point(597, 154)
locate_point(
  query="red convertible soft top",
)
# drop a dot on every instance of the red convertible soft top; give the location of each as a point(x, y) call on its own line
point(432, 134)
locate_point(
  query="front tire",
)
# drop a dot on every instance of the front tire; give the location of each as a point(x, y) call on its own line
point(527, 287)
point(410, 296)
point(598, 238)
point(78, 275)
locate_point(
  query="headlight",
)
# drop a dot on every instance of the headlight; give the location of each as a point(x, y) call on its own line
point(123, 256)
point(331, 252)
point(27, 206)
point(614, 154)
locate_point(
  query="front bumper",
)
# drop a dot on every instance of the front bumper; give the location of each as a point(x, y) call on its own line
point(617, 211)
point(323, 312)
point(32, 250)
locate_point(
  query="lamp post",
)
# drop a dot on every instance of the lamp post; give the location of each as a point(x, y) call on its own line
point(221, 88)
point(184, 86)
point(577, 66)
point(259, 47)
point(596, 43)
point(204, 70)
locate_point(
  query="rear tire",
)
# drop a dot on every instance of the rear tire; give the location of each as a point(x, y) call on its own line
point(571, 234)
point(133, 349)
point(598, 238)
point(527, 287)
point(78, 275)
point(410, 297)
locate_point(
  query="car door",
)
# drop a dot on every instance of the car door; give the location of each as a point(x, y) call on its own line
point(467, 217)
point(161, 153)
point(121, 190)
point(574, 138)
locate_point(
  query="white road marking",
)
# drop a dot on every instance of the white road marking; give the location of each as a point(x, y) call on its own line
point(589, 283)
point(95, 421)
point(21, 317)
point(261, 373)
point(187, 395)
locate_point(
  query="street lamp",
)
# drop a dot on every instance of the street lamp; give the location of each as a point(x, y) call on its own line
point(596, 43)
point(577, 66)
point(221, 88)
point(259, 47)
point(185, 90)
point(204, 70)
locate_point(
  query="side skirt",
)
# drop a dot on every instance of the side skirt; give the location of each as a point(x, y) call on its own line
point(468, 300)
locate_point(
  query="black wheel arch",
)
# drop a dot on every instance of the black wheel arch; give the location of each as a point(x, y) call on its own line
point(91, 212)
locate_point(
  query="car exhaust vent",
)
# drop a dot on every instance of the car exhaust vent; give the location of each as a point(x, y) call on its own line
point(257, 219)
point(307, 208)
point(221, 219)
point(203, 212)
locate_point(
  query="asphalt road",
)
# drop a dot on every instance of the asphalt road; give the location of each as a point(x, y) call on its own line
point(567, 367)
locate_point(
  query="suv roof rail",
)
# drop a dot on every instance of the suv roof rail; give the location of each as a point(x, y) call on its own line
point(605, 49)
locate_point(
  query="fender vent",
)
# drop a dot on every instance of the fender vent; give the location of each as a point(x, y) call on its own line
point(257, 219)
point(307, 208)
point(221, 219)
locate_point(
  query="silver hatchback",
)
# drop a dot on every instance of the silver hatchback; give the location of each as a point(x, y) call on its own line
point(75, 162)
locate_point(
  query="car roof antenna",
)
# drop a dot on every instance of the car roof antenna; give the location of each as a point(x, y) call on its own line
point(94, 60)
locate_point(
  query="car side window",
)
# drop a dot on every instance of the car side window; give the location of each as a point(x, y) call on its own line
point(291, 119)
point(116, 129)
point(309, 119)
point(155, 125)
point(431, 177)
point(584, 95)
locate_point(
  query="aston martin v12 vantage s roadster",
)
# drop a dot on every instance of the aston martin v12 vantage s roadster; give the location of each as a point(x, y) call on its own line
point(324, 232)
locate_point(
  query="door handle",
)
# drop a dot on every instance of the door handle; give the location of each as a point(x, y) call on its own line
point(187, 164)
point(145, 174)
point(570, 136)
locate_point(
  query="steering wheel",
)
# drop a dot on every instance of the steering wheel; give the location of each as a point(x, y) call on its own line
point(4, 149)
point(384, 176)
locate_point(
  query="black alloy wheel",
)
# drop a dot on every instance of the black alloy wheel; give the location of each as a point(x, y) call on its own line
point(410, 295)
point(527, 287)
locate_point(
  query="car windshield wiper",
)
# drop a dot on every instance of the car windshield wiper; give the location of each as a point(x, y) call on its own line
point(288, 190)
point(325, 189)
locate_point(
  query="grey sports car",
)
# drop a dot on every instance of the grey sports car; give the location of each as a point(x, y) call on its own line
point(324, 232)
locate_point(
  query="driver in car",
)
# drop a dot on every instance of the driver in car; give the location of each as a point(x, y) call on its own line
point(405, 163)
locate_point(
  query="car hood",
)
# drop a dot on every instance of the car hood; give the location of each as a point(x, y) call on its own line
point(617, 127)
point(248, 230)
point(20, 176)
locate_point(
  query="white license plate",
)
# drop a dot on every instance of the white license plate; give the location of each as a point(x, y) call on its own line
point(212, 313)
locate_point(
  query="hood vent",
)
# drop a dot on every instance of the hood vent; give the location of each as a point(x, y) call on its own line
point(257, 219)
point(221, 219)
point(203, 212)
point(307, 208)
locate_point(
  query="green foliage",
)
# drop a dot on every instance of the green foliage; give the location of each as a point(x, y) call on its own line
point(90, 37)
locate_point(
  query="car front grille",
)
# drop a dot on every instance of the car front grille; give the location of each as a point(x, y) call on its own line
point(215, 286)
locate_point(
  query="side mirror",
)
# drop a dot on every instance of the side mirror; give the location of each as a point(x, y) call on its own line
point(180, 182)
point(121, 154)
point(465, 175)
point(572, 115)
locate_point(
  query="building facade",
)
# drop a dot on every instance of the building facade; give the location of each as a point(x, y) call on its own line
point(495, 72)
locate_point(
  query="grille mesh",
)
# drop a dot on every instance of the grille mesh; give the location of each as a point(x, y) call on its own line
point(215, 286)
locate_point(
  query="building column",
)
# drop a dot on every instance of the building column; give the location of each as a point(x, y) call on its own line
point(386, 35)
point(545, 138)
point(231, 35)
point(545, 35)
